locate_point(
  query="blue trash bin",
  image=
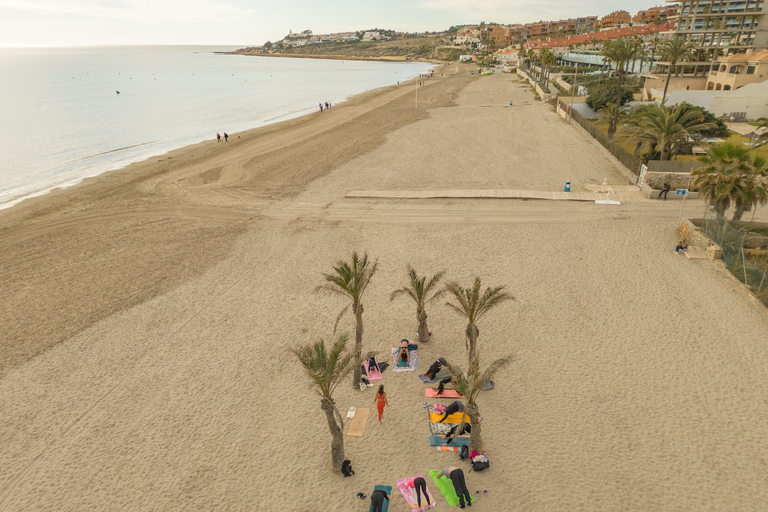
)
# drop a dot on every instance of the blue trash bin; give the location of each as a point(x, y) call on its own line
point(567, 186)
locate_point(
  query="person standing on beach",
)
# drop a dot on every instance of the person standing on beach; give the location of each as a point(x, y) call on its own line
point(226, 137)
point(218, 137)
point(380, 400)
point(321, 107)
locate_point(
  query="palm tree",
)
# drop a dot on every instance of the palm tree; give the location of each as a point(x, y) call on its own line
point(418, 289)
point(350, 280)
point(674, 51)
point(548, 58)
point(473, 307)
point(732, 177)
point(326, 370)
point(763, 124)
point(655, 42)
point(620, 52)
point(470, 384)
point(664, 127)
point(607, 115)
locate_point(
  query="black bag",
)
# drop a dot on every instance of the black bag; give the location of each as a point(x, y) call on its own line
point(481, 465)
point(346, 468)
point(464, 453)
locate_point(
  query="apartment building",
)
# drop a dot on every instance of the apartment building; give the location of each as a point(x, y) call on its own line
point(735, 71)
point(592, 40)
point(615, 19)
point(653, 14)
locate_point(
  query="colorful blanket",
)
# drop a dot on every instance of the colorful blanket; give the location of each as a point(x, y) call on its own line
point(409, 493)
point(448, 448)
point(440, 429)
point(413, 364)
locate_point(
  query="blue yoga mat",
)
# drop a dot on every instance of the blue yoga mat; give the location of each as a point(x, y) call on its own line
point(387, 489)
point(439, 441)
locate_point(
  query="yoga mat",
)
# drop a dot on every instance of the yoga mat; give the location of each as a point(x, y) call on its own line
point(409, 493)
point(435, 417)
point(446, 488)
point(439, 441)
point(387, 489)
point(413, 364)
point(357, 425)
point(447, 393)
point(374, 375)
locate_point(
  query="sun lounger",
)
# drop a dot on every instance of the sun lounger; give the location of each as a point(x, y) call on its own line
point(387, 489)
point(409, 493)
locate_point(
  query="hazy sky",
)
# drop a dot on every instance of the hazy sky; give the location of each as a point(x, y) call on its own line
point(252, 22)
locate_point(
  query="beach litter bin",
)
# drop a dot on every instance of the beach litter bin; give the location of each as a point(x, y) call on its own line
point(567, 186)
point(510, 103)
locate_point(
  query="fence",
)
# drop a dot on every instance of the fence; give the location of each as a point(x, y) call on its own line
point(629, 160)
point(744, 251)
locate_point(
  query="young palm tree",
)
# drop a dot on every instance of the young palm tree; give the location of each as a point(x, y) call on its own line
point(474, 306)
point(674, 51)
point(655, 42)
point(469, 384)
point(732, 177)
point(350, 280)
point(664, 127)
point(620, 52)
point(326, 370)
point(607, 115)
point(419, 289)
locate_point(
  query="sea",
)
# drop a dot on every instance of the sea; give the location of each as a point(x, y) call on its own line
point(67, 113)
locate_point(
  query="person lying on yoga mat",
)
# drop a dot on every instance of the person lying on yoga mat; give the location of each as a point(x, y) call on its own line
point(377, 500)
point(466, 429)
point(436, 366)
point(420, 485)
point(453, 408)
point(457, 477)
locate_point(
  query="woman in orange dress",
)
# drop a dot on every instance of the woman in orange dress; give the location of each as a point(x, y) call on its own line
point(380, 400)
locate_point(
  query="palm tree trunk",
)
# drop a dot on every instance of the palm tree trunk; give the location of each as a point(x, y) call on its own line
point(476, 435)
point(421, 315)
point(472, 333)
point(612, 128)
point(720, 209)
point(666, 85)
point(665, 152)
point(638, 145)
point(358, 344)
point(618, 102)
point(337, 439)
point(738, 212)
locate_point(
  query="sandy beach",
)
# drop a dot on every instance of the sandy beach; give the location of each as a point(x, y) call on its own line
point(147, 315)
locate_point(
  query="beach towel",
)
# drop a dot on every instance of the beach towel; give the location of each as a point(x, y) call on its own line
point(387, 489)
point(412, 366)
point(455, 418)
point(439, 441)
point(446, 488)
point(440, 429)
point(375, 374)
point(409, 493)
point(357, 425)
point(448, 448)
point(447, 393)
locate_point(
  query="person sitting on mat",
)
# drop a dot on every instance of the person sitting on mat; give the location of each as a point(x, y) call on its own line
point(436, 366)
point(457, 477)
point(466, 429)
point(453, 408)
point(404, 357)
point(420, 485)
point(377, 500)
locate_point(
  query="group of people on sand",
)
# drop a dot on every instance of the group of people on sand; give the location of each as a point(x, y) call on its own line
point(218, 137)
point(327, 105)
point(455, 473)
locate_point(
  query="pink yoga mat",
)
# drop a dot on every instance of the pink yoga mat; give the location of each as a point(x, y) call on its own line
point(375, 375)
point(409, 493)
point(447, 393)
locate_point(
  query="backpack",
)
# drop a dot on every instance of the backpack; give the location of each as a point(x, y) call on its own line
point(346, 468)
point(464, 453)
point(480, 465)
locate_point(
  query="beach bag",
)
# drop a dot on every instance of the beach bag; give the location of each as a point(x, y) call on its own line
point(346, 468)
point(464, 453)
point(479, 463)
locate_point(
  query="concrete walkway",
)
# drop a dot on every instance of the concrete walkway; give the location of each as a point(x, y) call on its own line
point(490, 194)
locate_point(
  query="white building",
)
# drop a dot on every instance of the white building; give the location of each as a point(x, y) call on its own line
point(371, 36)
point(751, 99)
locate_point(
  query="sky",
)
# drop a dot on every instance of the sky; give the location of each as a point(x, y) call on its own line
point(252, 22)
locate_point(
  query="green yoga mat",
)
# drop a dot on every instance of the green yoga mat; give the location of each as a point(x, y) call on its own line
point(388, 489)
point(446, 488)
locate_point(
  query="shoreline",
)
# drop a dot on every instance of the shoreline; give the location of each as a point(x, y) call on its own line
point(337, 57)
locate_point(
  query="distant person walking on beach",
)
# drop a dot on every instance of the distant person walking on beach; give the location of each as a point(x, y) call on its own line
point(321, 107)
point(218, 137)
point(381, 400)
point(664, 191)
point(226, 137)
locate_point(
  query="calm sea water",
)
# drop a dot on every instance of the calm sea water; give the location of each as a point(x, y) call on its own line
point(61, 118)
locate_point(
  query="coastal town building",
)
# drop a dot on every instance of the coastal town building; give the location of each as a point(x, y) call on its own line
point(735, 71)
point(372, 36)
point(592, 40)
point(615, 19)
point(654, 15)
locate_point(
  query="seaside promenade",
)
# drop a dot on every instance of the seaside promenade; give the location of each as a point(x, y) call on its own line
point(148, 314)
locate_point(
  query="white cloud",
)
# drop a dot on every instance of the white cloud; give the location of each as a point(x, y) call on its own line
point(148, 11)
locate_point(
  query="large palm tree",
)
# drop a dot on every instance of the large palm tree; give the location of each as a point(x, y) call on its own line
point(620, 52)
point(474, 306)
point(350, 280)
point(469, 385)
point(730, 176)
point(664, 127)
point(419, 289)
point(674, 51)
point(607, 115)
point(326, 369)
